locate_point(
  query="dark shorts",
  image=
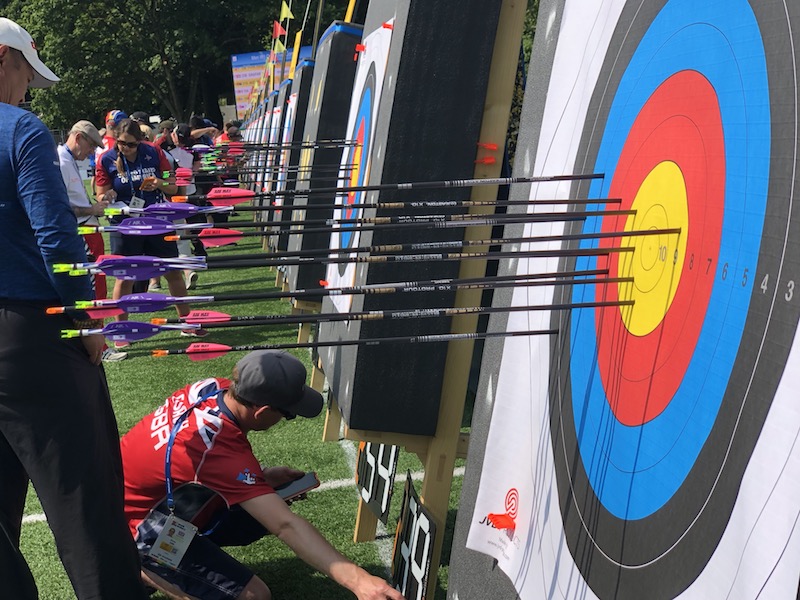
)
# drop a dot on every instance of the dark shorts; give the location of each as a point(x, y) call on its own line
point(142, 245)
point(206, 571)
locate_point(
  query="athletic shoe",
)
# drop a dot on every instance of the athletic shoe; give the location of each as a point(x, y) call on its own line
point(191, 280)
point(110, 355)
point(119, 345)
point(154, 287)
point(198, 333)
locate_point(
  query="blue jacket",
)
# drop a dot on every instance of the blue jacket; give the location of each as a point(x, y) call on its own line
point(37, 225)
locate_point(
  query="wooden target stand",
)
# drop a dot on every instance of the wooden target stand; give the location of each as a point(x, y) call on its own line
point(439, 452)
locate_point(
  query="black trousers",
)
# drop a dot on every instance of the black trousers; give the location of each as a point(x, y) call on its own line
point(57, 428)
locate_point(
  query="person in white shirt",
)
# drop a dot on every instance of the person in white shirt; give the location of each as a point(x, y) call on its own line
point(81, 142)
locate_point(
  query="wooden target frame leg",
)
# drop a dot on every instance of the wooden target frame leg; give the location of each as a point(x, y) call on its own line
point(366, 523)
point(300, 307)
point(317, 377)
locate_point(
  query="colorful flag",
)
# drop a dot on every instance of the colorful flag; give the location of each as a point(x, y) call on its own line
point(285, 12)
point(277, 30)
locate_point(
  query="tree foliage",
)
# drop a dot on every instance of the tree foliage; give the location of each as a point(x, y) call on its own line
point(168, 57)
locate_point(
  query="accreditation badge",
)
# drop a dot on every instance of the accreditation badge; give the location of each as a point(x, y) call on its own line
point(173, 541)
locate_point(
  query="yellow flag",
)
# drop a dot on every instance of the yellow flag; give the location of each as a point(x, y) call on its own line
point(285, 12)
point(279, 47)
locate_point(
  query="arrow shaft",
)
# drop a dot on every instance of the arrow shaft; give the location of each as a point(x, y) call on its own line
point(422, 185)
point(417, 339)
point(434, 204)
point(407, 258)
point(444, 245)
point(154, 302)
point(400, 314)
point(404, 219)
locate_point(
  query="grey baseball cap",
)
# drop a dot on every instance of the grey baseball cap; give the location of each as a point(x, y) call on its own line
point(277, 379)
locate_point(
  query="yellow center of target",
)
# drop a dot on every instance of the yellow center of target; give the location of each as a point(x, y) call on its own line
point(657, 260)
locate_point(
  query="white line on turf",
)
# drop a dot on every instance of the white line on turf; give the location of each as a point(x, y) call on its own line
point(334, 484)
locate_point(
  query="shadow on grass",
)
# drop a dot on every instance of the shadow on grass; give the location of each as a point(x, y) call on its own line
point(292, 579)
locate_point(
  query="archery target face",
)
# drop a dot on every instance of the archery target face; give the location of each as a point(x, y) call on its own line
point(286, 151)
point(672, 426)
point(357, 157)
point(651, 405)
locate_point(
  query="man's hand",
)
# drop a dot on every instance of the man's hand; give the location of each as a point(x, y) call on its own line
point(276, 476)
point(375, 588)
point(94, 346)
point(99, 207)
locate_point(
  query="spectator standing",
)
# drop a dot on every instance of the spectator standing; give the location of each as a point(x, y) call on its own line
point(57, 426)
point(81, 142)
point(130, 175)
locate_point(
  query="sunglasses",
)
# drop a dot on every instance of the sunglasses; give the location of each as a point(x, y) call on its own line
point(286, 414)
point(128, 144)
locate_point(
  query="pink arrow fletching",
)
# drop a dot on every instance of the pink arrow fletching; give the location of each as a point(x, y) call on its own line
point(183, 172)
point(206, 351)
point(102, 313)
point(228, 192)
point(206, 316)
point(220, 237)
point(227, 201)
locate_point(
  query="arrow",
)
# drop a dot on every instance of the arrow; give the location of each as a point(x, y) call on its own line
point(133, 268)
point(131, 331)
point(149, 302)
point(174, 211)
point(230, 236)
point(412, 185)
point(142, 226)
point(206, 351)
point(214, 320)
point(223, 148)
point(147, 268)
point(442, 245)
point(208, 317)
point(213, 237)
point(404, 219)
point(412, 258)
point(127, 331)
point(424, 204)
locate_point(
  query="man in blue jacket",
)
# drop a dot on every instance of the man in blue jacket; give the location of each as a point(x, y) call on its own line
point(56, 423)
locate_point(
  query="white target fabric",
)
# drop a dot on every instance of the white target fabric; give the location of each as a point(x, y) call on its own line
point(376, 53)
point(759, 553)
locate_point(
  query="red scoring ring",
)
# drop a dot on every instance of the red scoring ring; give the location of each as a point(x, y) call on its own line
point(680, 122)
point(355, 164)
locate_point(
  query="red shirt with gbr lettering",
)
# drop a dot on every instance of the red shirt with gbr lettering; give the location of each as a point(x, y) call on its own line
point(209, 449)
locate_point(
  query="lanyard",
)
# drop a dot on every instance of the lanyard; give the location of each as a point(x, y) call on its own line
point(128, 173)
point(168, 456)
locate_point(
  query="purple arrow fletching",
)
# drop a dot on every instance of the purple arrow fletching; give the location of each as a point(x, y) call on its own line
point(133, 331)
point(129, 331)
point(145, 226)
point(136, 267)
point(172, 211)
point(138, 303)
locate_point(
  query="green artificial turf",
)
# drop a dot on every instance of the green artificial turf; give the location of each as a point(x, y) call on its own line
point(140, 383)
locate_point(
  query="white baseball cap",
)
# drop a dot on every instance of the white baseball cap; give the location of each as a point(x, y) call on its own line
point(14, 36)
